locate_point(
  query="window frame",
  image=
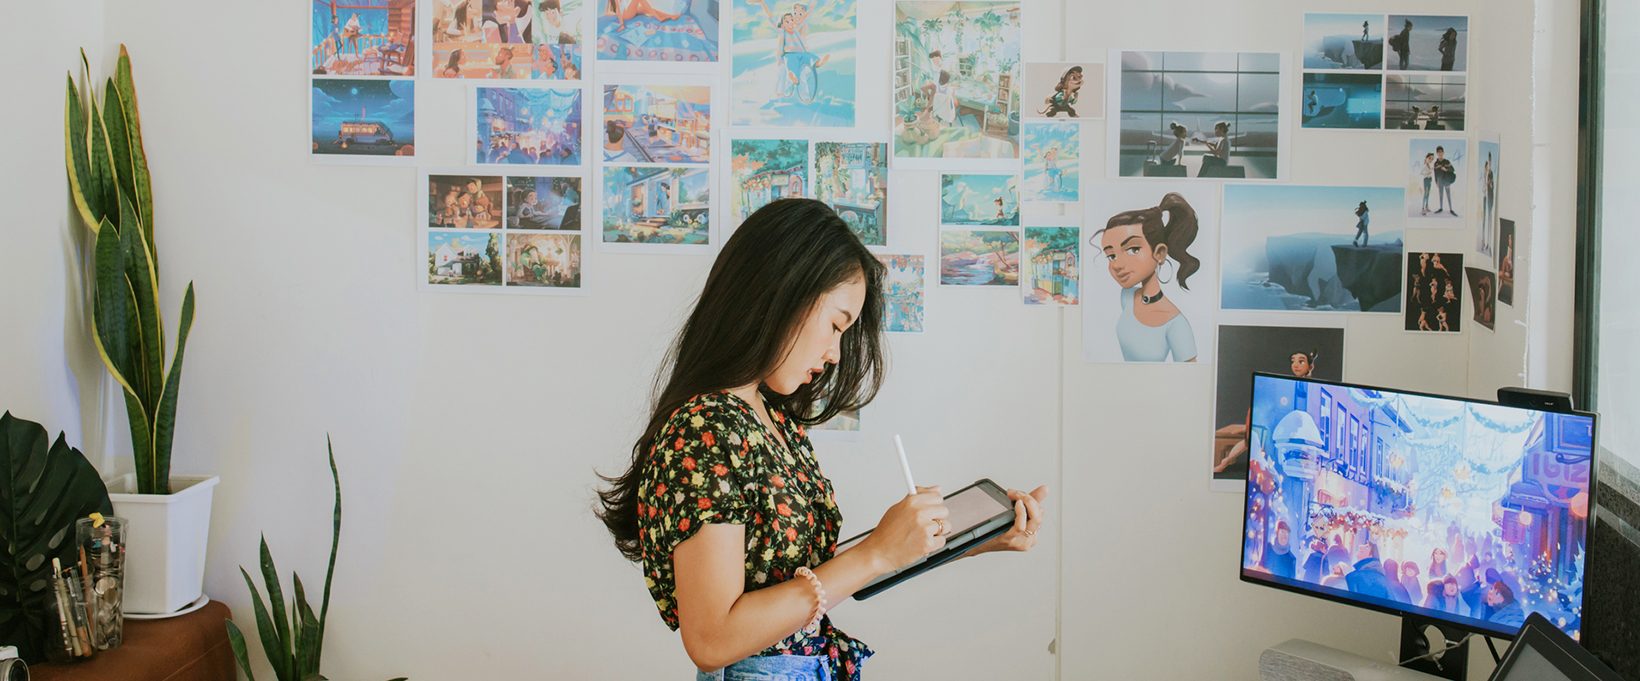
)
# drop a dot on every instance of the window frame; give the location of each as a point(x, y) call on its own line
point(1590, 155)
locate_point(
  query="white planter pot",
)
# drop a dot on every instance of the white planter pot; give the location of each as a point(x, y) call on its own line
point(166, 536)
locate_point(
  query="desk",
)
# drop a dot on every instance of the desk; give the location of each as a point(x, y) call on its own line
point(192, 647)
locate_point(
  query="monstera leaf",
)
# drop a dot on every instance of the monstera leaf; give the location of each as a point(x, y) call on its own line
point(43, 490)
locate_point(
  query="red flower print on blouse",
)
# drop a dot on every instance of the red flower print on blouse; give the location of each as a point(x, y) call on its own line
point(677, 446)
point(703, 503)
point(801, 476)
point(791, 534)
point(721, 470)
point(708, 440)
point(684, 525)
point(783, 509)
point(689, 463)
point(777, 481)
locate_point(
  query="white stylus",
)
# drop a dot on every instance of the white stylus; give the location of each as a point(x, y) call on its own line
point(905, 468)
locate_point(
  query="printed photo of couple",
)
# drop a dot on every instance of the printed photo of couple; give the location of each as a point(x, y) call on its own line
point(793, 63)
point(1198, 114)
point(1436, 169)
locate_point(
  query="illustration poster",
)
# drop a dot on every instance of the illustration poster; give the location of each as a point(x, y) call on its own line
point(1217, 115)
point(956, 83)
point(979, 200)
point(845, 426)
point(1064, 90)
point(1385, 72)
point(1309, 351)
point(544, 203)
point(507, 39)
point(464, 201)
point(464, 258)
point(1348, 101)
point(364, 38)
point(1312, 249)
point(658, 31)
point(903, 293)
point(1048, 256)
point(527, 126)
point(852, 178)
point(1506, 262)
point(1434, 292)
point(1153, 300)
point(657, 205)
point(657, 123)
point(544, 260)
point(793, 63)
point(764, 170)
point(979, 257)
point(1344, 42)
point(366, 121)
point(1053, 161)
point(1436, 172)
point(1490, 160)
point(501, 234)
point(1483, 291)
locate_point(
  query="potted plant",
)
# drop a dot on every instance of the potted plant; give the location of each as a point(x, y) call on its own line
point(169, 517)
point(293, 648)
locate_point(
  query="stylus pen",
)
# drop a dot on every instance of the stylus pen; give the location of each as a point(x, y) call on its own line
point(905, 468)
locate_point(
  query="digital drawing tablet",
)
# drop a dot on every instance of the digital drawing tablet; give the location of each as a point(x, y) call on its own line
point(1542, 652)
point(979, 512)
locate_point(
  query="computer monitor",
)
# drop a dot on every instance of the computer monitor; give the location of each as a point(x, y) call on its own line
point(1468, 513)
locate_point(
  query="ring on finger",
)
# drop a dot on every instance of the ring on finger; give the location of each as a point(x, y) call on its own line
point(941, 523)
point(1030, 533)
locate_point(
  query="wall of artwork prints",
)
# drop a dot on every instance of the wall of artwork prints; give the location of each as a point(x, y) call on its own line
point(308, 316)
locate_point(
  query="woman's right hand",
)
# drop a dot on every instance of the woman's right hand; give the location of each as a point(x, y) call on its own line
point(908, 530)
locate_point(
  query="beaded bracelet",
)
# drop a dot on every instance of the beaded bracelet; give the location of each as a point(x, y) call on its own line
point(819, 601)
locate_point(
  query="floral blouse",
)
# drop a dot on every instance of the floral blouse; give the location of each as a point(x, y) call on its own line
point(715, 462)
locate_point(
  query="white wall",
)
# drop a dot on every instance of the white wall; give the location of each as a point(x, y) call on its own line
point(467, 427)
point(51, 374)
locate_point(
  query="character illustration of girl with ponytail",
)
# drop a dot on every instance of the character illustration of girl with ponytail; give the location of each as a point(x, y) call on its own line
point(1138, 245)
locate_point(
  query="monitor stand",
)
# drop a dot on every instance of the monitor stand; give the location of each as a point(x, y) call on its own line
point(1453, 664)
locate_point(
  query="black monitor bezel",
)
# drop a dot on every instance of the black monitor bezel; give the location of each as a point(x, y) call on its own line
point(1588, 527)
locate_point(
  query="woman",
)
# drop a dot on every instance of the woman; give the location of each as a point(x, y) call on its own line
point(1218, 149)
point(1448, 48)
point(1065, 93)
point(1428, 173)
point(725, 462)
point(1136, 244)
point(1303, 363)
point(1170, 156)
point(1363, 217)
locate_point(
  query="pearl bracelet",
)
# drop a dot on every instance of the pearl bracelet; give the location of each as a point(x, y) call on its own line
point(813, 626)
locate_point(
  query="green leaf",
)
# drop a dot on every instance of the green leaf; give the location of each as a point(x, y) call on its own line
point(307, 637)
point(165, 416)
point(119, 144)
point(149, 364)
point(77, 149)
point(144, 197)
point(102, 165)
point(237, 641)
point(276, 599)
point(43, 490)
point(335, 541)
point(277, 657)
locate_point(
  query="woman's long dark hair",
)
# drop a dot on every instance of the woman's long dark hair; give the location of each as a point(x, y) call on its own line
point(766, 281)
point(1177, 232)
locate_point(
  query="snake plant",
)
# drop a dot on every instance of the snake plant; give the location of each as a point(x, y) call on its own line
point(292, 647)
point(108, 178)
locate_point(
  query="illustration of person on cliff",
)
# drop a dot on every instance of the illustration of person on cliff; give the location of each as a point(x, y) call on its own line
point(1136, 245)
point(1063, 99)
point(1363, 218)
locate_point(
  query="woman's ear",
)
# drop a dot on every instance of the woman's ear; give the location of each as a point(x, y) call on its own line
point(1161, 253)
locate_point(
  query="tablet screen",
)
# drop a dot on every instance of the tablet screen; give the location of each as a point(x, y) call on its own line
point(970, 508)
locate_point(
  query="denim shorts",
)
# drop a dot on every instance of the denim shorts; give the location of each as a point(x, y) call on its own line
point(773, 668)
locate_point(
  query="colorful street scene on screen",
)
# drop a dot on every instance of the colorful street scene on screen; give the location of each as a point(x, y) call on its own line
point(1468, 512)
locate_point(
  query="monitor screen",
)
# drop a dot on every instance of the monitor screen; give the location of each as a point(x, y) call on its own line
point(1463, 511)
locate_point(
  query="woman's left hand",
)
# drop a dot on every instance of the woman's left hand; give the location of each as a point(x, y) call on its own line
point(1028, 516)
